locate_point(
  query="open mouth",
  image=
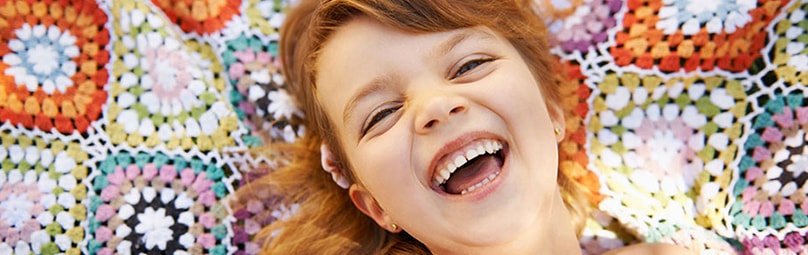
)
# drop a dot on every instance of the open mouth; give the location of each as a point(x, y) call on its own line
point(470, 168)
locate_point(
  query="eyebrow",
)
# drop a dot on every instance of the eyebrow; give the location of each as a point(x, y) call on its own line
point(447, 46)
point(456, 39)
point(371, 87)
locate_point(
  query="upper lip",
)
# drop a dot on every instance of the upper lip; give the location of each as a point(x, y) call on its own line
point(453, 146)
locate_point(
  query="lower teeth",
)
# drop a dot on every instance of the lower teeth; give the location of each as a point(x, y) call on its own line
point(480, 184)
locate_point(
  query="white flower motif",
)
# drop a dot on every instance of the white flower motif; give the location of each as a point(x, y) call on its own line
point(717, 15)
point(283, 212)
point(289, 134)
point(703, 6)
point(15, 210)
point(282, 105)
point(154, 226)
point(665, 148)
point(800, 164)
point(41, 56)
point(267, 8)
point(173, 85)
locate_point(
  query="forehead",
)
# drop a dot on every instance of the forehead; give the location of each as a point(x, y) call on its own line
point(361, 39)
point(363, 47)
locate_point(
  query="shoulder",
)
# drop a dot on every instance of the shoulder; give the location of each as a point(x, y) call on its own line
point(651, 248)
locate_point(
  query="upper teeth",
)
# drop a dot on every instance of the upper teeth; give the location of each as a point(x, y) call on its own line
point(454, 161)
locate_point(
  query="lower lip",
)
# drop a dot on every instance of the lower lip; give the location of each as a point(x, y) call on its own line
point(485, 190)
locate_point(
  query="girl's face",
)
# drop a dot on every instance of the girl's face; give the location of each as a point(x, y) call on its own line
point(413, 109)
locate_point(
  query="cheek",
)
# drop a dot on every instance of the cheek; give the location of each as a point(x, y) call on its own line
point(515, 84)
point(521, 97)
point(384, 163)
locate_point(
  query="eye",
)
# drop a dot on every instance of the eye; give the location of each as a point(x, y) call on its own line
point(378, 116)
point(470, 65)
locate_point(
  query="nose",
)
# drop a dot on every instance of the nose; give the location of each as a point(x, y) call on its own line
point(437, 109)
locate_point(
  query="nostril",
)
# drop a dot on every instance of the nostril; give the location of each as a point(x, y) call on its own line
point(457, 109)
point(438, 114)
point(430, 123)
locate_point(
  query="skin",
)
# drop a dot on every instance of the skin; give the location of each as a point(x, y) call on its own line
point(651, 248)
point(429, 90)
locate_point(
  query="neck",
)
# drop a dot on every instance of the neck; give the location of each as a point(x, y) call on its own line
point(561, 237)
point(553, 234)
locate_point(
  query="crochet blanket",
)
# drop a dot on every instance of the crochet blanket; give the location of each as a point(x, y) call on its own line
point(127, 125)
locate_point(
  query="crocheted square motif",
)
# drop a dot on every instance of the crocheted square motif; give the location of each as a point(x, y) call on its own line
point(663, 147)
point(153, 203)
point(582, 26)
point(789, 51)
point(42, 193)
point(257, 94)
point(770, 193)
point(166, 92)
point(200, 16)
point(692, 35)
point(53, 69)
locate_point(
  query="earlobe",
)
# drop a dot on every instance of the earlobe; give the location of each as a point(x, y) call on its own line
point(558, 134)
point(559, 124)
point(368, 205)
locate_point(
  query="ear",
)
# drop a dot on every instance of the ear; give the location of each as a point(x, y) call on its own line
point(330, 165)
point(559, 124)
point(368, 205)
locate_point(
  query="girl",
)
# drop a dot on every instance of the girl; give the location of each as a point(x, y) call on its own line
point(436, 123)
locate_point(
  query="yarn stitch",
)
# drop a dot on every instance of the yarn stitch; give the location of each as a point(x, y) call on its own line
point(53, 67)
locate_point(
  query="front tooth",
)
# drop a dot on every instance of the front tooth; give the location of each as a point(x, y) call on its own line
point(489, 147)
point(480, 150)
point(459, 161)
point(451, 167)
point(445, 174)
point(471, 154)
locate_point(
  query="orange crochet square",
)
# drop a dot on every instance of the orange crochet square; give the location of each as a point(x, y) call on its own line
point(53, 69)
point(643, 42)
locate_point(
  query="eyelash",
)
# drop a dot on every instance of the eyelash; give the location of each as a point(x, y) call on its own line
point(378, 116)
point(470, 65)
point(381, 114)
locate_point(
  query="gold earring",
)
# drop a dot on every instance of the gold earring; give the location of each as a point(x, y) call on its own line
point(557, 131)
point(394, 227)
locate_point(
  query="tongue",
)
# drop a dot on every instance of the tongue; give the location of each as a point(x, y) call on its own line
point(472, 173)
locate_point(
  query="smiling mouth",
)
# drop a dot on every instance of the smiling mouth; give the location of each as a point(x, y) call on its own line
point(470, 168)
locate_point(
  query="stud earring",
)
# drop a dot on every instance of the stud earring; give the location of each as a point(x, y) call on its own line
point(394, 227)
point(557, 131)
